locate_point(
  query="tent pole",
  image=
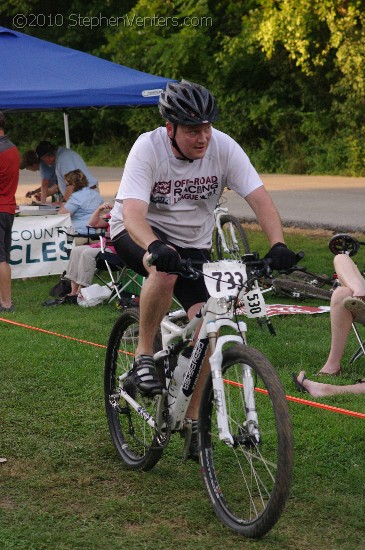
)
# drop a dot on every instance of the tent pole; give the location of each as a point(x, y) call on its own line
point(67, 131)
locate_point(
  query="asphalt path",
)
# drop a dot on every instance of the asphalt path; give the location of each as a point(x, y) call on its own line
point(331, 202)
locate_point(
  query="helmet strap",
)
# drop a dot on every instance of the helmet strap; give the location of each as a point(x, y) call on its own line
point(175, 146)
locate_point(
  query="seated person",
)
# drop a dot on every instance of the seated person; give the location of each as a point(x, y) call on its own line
point(347, 306)
point(82, 263)
point(82, 202)
point(31, 162)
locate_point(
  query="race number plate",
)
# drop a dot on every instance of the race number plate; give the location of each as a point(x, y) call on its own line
point(254, 303)
point(224, 278)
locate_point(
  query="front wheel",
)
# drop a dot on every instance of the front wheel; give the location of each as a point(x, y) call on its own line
point(248, 482)
point(135, 440)
point(235, 239)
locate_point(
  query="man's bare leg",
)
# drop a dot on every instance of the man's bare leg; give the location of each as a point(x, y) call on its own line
point(155, 302)
point(193, 409)
point(5, 284)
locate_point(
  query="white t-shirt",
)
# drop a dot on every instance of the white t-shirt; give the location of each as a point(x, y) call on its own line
point(182, 195)
point(68, 160)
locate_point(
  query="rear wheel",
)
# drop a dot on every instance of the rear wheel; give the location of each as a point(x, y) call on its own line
point(248, 482)
point(235, 237)
point(135, 440)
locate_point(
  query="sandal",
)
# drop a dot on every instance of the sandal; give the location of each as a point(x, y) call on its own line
point(336, 373)
point(299, 385)
point(355, 305)
point(144, 377)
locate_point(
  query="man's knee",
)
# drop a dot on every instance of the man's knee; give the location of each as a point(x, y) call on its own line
point(162, 281)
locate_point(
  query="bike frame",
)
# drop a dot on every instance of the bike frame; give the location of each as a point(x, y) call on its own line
point(214, 314)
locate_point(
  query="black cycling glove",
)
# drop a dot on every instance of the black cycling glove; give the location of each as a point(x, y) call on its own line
point(165, 258)
point(281, 256)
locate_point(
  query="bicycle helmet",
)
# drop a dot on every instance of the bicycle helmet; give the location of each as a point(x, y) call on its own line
point(187, 103)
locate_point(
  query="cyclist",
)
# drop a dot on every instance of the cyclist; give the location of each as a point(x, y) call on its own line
point(173, 178)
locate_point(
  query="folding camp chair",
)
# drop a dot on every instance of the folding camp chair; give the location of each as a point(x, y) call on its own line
point(93, 234)
point(122, 279)
point(361, 351)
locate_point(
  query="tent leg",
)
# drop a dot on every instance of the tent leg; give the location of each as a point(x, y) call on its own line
point(67, 131)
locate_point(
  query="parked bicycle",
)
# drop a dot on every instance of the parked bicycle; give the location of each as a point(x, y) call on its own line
point(229, 237)
point(300, 283)
point(244, 429)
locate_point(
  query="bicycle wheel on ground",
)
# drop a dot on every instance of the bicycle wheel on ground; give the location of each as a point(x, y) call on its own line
point(248, 483)
point(310, 278)
point(300, 290)
point(235, 237)
point(134, 439)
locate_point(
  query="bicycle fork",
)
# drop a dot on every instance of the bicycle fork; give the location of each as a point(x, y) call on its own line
point(216, 358)
point(235, 245)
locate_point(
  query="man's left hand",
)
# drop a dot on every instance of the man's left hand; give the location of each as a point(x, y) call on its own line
point(281, 256)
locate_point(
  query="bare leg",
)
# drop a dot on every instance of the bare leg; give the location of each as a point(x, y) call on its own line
point(5, 284)
point(155, 302)
point(341, 321)
point(75, 288)
point(317, 389)
point(349, 275)
point(193, 409)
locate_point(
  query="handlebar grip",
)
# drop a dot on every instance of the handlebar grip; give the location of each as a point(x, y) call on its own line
point(299, 256)
point(151, 259)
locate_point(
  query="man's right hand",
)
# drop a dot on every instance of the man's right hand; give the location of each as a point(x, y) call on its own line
point(166, 258)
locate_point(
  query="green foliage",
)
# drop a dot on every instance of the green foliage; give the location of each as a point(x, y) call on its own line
point(289, 77)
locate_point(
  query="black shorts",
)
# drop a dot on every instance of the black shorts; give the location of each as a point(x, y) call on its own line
point(187, 291)
point(6, 224)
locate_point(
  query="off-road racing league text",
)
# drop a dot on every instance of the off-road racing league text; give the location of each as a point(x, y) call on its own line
point(171, 192)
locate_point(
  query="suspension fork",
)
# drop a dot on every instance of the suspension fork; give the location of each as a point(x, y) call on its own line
point(216, 359)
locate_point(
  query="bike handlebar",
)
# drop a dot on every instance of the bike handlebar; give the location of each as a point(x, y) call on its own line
point(189, 267)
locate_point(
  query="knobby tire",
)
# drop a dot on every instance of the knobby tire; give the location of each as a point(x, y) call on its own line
point(244, 247)
point(249, 484)
point(135, 441)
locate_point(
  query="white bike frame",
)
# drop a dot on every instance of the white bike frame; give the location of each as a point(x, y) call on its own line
point(214, 315)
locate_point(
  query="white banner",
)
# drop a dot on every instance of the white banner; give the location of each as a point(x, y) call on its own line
point(38, 246)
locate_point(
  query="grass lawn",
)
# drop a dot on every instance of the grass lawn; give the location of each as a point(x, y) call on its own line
point(63, 486)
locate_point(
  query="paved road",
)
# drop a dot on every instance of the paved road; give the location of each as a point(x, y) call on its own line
point(331, 202)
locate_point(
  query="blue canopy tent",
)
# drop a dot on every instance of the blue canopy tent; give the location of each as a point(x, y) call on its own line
point(40, 75)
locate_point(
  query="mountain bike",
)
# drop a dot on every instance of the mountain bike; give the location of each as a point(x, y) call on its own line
point(245, 437)
point(229, 237)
